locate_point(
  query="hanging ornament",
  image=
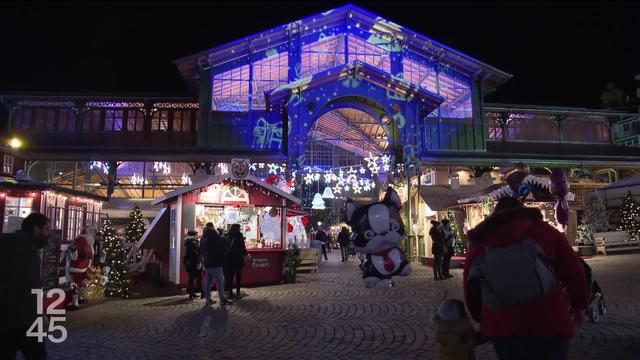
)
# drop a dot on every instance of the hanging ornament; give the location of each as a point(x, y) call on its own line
point(337, 189)
point(186, 179)
point(273, 169)
point(362, 171)
point(308, 179)
point(372, 163)
point(318, 202)
point(327, 194)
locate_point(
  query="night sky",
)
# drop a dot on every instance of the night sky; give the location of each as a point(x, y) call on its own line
point(559, 54)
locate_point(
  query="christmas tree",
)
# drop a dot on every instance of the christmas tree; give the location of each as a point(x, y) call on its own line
point(629, 213)
point(135, 229)
point(584, 232)
point(116, 260)
point(458, 246)
point(600, 218)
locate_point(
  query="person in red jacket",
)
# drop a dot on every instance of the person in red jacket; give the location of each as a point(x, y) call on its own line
point(540, 327)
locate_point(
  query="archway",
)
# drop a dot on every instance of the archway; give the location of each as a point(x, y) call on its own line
point(347, 154)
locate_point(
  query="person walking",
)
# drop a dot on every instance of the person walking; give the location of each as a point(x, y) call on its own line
point(20, 268)
point(234, 259)
point(524, 284)
point(321, 235)
point(193, 264)
point(343, 240)
point(449, 240)
point(214, 247)
point(437, 248)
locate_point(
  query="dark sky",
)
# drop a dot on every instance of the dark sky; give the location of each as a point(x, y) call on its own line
point(560, 54)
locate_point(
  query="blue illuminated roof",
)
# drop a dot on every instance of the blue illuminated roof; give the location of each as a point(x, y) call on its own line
point(190, 66)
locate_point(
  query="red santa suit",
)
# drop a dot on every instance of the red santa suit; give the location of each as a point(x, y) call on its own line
point(78, 267)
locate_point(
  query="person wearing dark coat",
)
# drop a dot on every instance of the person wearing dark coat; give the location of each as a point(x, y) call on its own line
point(234, 259)
point(437, 249)
point(214, 247)
point(540, 327)
point(321, 235)
point(449, 240)
point(20, 268)
point(193, 264)
point(343, 240)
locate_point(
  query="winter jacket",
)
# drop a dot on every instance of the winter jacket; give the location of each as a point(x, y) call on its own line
point(456, 340)
point(213, 246)
point(235, 249)
point(322, 236)
point(343, 239)
point(547, 315)
point(437, 240)
point(192, 256)
point(20, 269)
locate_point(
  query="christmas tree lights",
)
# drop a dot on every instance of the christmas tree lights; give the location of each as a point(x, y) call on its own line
point(629, 215)
point(119, 272)
point(458, 246)
point(135, 229)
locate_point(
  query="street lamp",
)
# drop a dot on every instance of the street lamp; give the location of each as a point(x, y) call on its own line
point(15, 143)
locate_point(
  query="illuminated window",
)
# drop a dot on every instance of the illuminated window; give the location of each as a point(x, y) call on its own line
point(231, 90)
point(322, 55)
point(160, 120)
point(113, 120)
point(15, 207)
point(7, 164)
point(182, 120)
point(268, 73)
point(360, 49)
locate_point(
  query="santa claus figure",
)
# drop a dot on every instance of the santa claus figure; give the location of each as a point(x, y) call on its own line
point(84, 248)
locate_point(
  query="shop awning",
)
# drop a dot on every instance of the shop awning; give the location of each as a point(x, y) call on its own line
point(440, 197)
point(155, 237)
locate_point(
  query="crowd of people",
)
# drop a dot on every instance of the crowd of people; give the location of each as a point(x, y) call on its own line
point(522, 282)
point(221, 255)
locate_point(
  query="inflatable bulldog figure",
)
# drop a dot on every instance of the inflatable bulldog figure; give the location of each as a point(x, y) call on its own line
point(377, 232)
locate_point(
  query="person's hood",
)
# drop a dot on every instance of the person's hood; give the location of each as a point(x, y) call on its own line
point(505, 228)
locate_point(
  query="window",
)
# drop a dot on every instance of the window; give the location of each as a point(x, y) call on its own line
point(268, 73)
point(113, 120)
point(91, 120)
point(45, 119)
point(321, 55)
point(74, 221)
point(22, 119)
point(15, 207)
point(231, 90)
point(7, 164)
point(182, 120)
point(360, 49)
point(135, 120)
point(160, 120)
point(66, 120)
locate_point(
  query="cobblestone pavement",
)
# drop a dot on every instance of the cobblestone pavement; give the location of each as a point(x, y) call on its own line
point(325, 316)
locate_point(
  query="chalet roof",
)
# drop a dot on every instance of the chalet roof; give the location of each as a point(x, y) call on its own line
point(217, 179)
point(189, 66)
point(553, 110)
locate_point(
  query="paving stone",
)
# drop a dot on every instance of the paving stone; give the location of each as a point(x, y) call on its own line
point(326, 315)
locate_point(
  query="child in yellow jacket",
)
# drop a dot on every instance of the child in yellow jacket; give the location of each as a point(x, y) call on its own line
point(455, 335)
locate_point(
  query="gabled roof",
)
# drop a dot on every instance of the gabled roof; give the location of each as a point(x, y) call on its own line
point(190, 66)
point(218, 178)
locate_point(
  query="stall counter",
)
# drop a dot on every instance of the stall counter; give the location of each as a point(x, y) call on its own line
point(266, 267)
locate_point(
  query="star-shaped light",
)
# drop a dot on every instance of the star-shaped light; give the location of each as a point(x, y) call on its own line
point(308, 179)
point(352, 175)
point(337, 189)
point(362, 171)
point(356, 188)
point(261, 165)
point(328, 178)
point(253, 166)
point(346, 188)
point(386, 168)
point(273, 169)
point(316, 176)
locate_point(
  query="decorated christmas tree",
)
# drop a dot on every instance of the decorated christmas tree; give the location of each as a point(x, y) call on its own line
point(629, 214)
point(135, 229)
point(584, 232)
point(116, 260)
point(600, 218)
point(458, 246)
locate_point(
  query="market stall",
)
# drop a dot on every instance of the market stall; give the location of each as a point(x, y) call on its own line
point(265, 212)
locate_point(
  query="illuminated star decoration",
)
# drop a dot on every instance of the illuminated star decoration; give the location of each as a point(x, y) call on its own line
point(386, 160)
point(337, 189)
point(367, 187)
point(372, 163)
point(273, 169)
point(253, 166)
point(362, 170)
point(352, 175)
point(316, 176)
point(308, 179)
point(356, 187)
point(328, 178)
point(261, 165)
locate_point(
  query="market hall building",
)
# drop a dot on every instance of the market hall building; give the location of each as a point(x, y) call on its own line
point(339, 104)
